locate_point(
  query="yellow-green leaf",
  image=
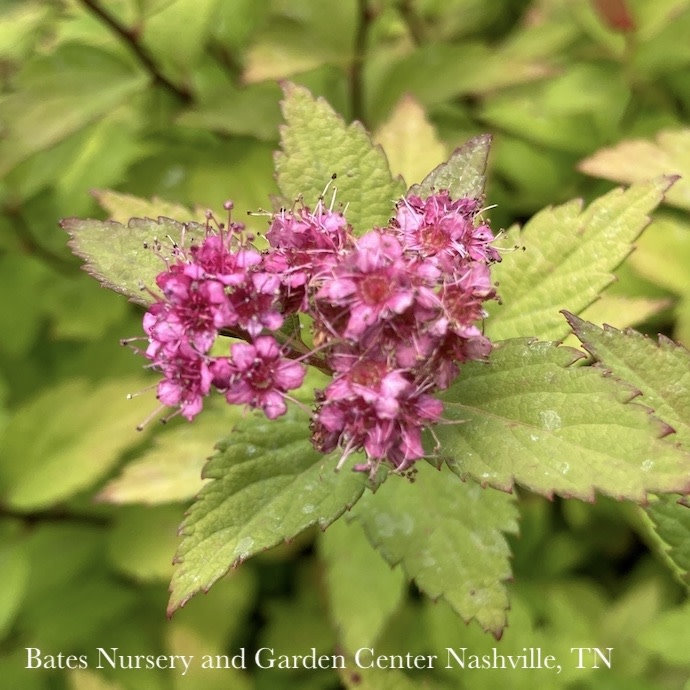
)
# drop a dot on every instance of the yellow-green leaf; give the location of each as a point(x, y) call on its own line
point(568, 258)
point(636, 160)
point(410, 141)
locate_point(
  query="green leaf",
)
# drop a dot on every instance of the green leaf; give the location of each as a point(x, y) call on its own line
point(20, 28)
point(72, 598)
point(662, 48)
point(653, 18)
point(634, 610)
point(662, 254)
point(77, 434)
point(236, 22)
point(463, 175)
point(548, 615)
point(105, 151)
point(236, 596)
point(360, 613)
point(667, 636)
point(80, 310)
point(26, 279)
point(205, 170)
point(58, 95)
point(568, 259)
point(529, 416)
point(121, 207)
point(448, 537)
point(622, 312)
point(317, 144)
point(125, 258)
point(669, 530)
point(269, 485)
point(636, 160)
point(185, 641)
point(97, 154)
point(90, 680)
point(143, 540)
point(656, 369)
point(301, 37)
point(295, 623)
point(171, 469)
point(150, 7)
point(177, 34)
point(14, 570)
point(379, 679)
point(436, 72)
point(681, 329)
point(249, 111)
point(410, 141)
point(72, 549)
point(573, 112)
point(659, 371)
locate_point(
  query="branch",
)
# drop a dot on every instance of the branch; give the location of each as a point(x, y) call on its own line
point(29, 244)
point(131, 38)
point(52, 515)
point(413, 21)
point(364, 17)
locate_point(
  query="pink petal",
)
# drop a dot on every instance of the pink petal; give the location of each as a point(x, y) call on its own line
point(169, 393)
point(393, 384)
point(239, 392)
point(361, 317)
point(400, 301)
point(273, 405)
point(387, 408)
point(266, 283)
point(336, 289)
point(289, 375)
point(191, 408)
point(243, 355)
point(331, 417)
point(267, 347)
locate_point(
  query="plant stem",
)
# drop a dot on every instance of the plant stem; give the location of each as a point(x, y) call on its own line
point(31, 246)
point(356, 82)
point(131, 38)
point(53, 515)
point(414, 23)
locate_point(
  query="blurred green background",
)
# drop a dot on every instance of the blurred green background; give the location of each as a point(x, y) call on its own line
point(178, 100)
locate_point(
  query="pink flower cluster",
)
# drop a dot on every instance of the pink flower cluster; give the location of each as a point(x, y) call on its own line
point(394, 312)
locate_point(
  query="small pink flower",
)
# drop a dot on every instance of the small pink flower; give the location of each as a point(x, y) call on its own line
point(253, 306)
point(377, 409)
point(323, 231)
point(260, 376)
point(463, 300)
point(188, 314)
point(216, 258)
point(373, 283)
point(187, 381)
point(444, 230)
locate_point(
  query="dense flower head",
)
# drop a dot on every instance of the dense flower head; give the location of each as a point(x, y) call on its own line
point(394, 313)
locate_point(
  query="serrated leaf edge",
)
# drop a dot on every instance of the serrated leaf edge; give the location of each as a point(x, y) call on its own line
point(633, 393)
point(480, 139)
point(88, 265)
point(289, 87)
